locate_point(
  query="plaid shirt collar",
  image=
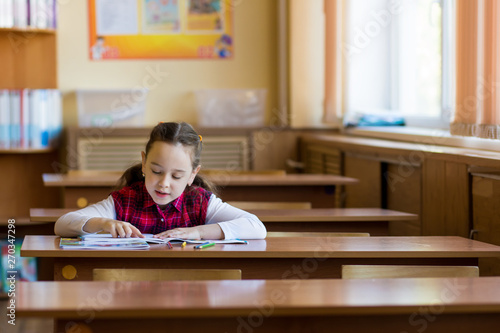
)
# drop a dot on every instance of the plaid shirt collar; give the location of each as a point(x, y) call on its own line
point(148, 201)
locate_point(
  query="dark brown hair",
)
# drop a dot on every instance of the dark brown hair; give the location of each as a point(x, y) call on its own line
point(173, 133)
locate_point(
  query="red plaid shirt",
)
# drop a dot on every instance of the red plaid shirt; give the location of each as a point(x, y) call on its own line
point(133, 204)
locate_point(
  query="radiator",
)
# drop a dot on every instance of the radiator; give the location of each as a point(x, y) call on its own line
point(119, 153)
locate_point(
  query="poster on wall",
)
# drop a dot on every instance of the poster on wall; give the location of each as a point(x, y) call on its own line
point(160, 29)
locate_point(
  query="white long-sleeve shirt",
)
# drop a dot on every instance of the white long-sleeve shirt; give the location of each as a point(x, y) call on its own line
point(234, 222)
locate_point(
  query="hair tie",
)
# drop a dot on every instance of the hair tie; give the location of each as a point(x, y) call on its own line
point(201, 138)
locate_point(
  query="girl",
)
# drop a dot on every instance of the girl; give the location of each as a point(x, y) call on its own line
point(165, 196)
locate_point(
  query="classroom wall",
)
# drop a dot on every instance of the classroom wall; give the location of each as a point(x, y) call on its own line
point(254, 64)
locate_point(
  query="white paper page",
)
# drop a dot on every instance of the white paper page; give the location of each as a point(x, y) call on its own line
point(116, 17)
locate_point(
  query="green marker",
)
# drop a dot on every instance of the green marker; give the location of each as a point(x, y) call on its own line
point(202, 246)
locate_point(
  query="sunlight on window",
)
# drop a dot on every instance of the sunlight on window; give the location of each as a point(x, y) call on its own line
point(393, 51)
point(428, 64)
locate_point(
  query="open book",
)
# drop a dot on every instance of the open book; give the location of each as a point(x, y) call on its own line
point(150, 239)
point(103, 244)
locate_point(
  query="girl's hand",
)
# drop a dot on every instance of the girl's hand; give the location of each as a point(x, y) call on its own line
point(121, 229)
point(186, 233)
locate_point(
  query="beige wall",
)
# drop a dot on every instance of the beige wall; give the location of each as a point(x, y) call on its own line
point(253, 66)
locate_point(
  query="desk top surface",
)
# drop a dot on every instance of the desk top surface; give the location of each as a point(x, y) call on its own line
point(110, 178)
point(239, 297)
point(276, 215)
point(331, 215)
point(287, 247)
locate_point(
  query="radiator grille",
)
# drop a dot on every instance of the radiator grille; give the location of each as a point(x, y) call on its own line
point(120, 153)
point(323, 160)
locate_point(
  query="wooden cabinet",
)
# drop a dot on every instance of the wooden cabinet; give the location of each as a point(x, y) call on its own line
point(384, 180)
point(321, 159)
point(486, 216)
point(22, 184)
point(402, 192)
point(27, 60)
point(445, 200)
point(454, 191)
point(368, 192)
point(431, 181)
point(324, 160)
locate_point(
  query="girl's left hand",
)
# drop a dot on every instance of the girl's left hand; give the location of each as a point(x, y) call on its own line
point(186, 233)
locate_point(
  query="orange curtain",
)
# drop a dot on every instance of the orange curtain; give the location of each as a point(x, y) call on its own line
point(477, 98)
point(333, 107)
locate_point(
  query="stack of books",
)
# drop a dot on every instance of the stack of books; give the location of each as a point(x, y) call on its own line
point(30, 118)
point(23, 14)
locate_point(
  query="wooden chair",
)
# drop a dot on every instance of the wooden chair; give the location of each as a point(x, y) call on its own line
point(247, 205)
point(403, 271)
point(316, 234)
point(126, 274)
point(217, 172)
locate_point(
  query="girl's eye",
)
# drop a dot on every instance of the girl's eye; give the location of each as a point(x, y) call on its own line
point(176, 177)
point(156, 172)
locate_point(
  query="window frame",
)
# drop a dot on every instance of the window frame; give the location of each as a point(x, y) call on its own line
point(442, 121)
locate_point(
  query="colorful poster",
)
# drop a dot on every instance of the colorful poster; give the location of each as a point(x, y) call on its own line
point(161, 17)
point(169, 29)
point(204, 16)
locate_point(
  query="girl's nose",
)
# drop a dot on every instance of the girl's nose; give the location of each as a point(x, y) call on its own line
point(164, 182)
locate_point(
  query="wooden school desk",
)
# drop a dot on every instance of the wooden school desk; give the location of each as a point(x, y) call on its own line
point(375, 221)
point(81, 189)
point(391, 305)
point(272, 258)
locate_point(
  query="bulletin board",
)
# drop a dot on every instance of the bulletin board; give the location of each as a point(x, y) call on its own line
point(153, 29)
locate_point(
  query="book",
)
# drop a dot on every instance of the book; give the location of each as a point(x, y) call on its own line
point(11, 263)
point(4, 119)
point(103, 244)
point(30, 118)
point(15, 118)
point(150, 239)
point(25, 118)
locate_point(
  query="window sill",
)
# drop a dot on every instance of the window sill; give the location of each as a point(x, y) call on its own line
point(424, 135)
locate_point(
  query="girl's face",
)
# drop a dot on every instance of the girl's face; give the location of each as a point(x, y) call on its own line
point(167, 170)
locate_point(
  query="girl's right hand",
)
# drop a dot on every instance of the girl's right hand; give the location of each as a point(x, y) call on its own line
point(114, 227)
point(121, 229)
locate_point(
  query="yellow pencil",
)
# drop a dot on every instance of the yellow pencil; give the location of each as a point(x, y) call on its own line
point(183, 245)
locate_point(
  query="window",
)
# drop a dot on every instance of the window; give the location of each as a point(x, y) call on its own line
point(399, 58)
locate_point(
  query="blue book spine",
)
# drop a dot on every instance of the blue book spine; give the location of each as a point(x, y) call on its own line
point(4, 119)
point(15, 119)
point(35, 135)
point(25, 119)
point(44, 118)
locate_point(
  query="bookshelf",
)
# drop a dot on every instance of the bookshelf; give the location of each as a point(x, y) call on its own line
point(29, 30)
point(28, 115)
point(27, 60)
point(26, 150)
